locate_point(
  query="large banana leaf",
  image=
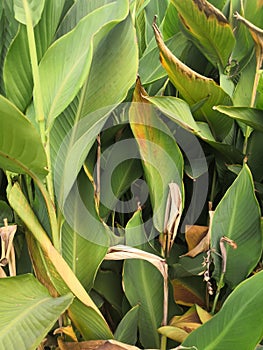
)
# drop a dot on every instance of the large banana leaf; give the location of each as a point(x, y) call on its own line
point(238, 325)
point(21, 149)
point(195, 88)
point(237, 217)
point(61, 78)
point(17, 67)
point(28, 312)
point(208, 28)
point(161, 157)
point(112, 84)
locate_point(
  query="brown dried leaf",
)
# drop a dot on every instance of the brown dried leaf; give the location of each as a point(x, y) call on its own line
point(194, 234)
point(95, 345)
point(184, 295)
point(201, 247)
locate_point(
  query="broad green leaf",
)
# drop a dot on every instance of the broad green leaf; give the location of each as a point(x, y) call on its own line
point(62, 78)
point(150, 69)
point(78, 10)
point(113, 82)
point(248, 115)
point(87, 321)
point(5, 212)
point(108, 285)
point(21, 149)
point(161, 157)
point(28, 10)
point(179, 111)
point(90, 324)
point(143, 285)
point(109, 68)
point(17, 66)
point(237, 217)
point(57, 270)
point(8, 29)
point(82, 251)
point(208, 28)
point(194, 88)
point(239, 321)
point(126, 331)
point(28, 312)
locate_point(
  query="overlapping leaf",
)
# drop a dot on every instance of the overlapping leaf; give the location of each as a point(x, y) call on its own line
point(21, 149)
point(238, 220)
point(28, 312)
point(194, 88)
point(208, 28)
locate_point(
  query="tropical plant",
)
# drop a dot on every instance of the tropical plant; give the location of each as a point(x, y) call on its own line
point(132, 178)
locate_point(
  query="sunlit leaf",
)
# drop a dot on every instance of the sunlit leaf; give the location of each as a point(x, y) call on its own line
point(21, 149)
point(23, 303)
point(208, 28)
point(195, 87)
point(239, 221)
point(239, 321)
point(26, 10)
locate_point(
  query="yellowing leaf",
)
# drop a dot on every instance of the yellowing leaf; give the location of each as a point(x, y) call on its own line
point(208, 28)
point(194, 88)
point(197, 239)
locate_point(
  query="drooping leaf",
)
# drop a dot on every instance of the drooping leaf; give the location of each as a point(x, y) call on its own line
point(194, 88)
point(127, 329)
point(238, 322)
point(250, 116)
point(21, 149)
point(28, 312)
point(208, 28)
point(238, 220)
point(179, 111)
point(158, 150)
point(28, 10)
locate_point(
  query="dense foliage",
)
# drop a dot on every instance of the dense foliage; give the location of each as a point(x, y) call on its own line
point(131, 181)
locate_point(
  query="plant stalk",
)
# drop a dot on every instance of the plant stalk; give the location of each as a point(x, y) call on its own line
point(219, 287)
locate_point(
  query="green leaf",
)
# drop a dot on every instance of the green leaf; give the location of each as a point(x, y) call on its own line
point(21, 149)
point(194, 88)
point(143, 285)
point(26, 10)
point(237, 217)
point(158, 150)
point(17, 66)
point(62, 78)
point(208, 28)
point(239, 321)
point(8, 29)
point(248, 115)
point(28, 312)
point(126, 331)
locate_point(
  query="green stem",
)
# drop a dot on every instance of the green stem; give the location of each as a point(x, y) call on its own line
point(163, 342)
point(40, 118)
point(219, 287)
